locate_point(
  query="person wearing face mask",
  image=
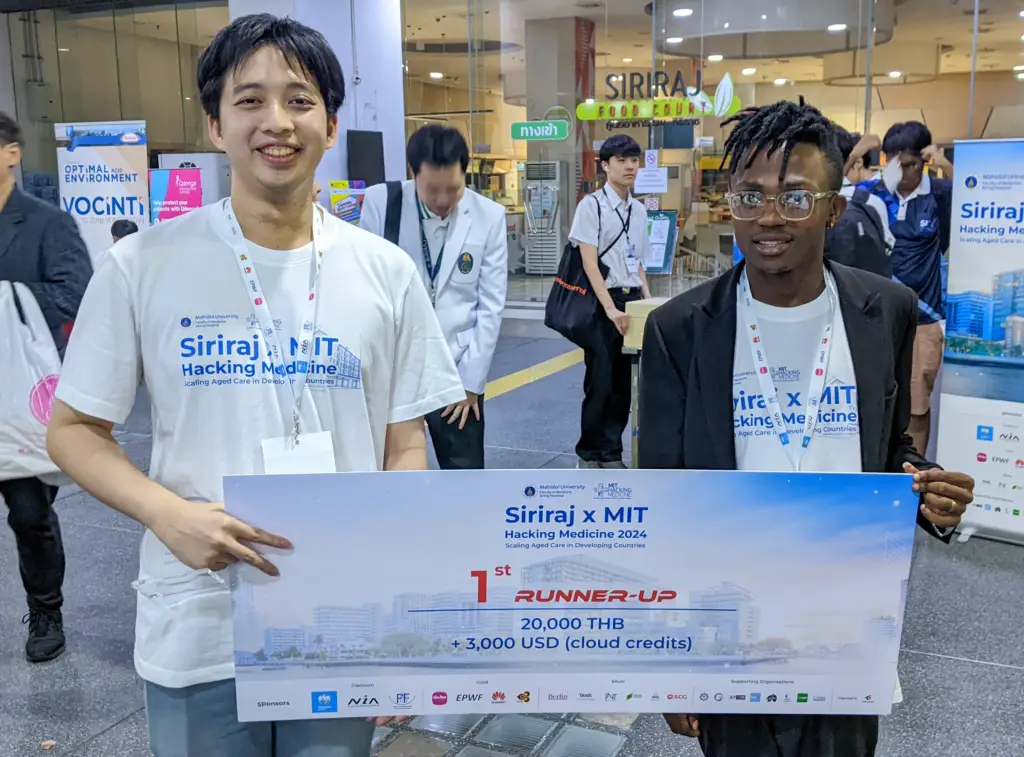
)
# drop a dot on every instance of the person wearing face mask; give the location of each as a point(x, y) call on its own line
point(920, 211)
point(457, 239)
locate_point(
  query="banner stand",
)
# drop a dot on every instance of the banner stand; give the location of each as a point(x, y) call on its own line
point(981, 422)
point(103, 177)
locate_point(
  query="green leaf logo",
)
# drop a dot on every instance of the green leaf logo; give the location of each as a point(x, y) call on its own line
point(724, 95)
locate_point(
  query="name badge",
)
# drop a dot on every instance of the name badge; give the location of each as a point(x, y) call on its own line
point(311, 453)
point(632, 261)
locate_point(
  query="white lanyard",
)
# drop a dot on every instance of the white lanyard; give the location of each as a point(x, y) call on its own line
point(298, 377)
point(819, 370)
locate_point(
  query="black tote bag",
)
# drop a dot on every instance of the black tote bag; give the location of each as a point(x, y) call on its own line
point(572, 308)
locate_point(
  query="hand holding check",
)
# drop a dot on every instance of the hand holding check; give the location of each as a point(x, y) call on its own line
point(945, 495)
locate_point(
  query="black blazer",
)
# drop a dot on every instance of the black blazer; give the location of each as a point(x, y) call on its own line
point(687, 363)
point(40, 247)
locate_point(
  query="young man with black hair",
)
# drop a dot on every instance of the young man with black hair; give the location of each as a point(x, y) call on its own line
point(920, 210)
point(272, 338)
point(457, 239)
point(40, 247)
point(757, 331)
point(610, 228)
point(122, 228)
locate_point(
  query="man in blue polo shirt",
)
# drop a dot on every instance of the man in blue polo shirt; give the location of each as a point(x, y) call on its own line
point(920, 210)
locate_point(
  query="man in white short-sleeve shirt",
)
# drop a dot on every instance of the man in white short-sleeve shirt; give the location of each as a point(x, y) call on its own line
point(226, 314)
point(610, 228)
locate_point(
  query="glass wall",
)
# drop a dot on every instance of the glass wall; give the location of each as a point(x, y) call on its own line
point(107, 65)
point(485, 65)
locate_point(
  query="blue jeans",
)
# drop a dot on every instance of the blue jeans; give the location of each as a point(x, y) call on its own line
point(202, 721)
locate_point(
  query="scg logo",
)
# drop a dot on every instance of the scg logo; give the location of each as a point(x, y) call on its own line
point(325, 701)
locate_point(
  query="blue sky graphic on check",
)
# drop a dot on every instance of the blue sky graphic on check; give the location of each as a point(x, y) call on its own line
point(794, 541)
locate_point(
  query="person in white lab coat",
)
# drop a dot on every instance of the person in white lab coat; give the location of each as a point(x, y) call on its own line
point(457, 239)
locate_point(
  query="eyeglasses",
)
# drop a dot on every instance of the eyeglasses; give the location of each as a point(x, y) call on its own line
point(792, 205)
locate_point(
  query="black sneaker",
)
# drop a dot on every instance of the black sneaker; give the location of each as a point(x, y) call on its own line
point(45, 635)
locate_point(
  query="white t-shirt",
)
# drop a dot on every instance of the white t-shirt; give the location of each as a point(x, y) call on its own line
point(791, 338)
point(170, 307)
point(614, 215)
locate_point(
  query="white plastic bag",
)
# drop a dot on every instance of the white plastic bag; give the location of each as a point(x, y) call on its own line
point(30, 367)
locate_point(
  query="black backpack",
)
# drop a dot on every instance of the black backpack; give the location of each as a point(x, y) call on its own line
point(858, 239)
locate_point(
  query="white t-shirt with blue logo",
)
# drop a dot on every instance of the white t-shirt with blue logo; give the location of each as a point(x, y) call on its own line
point(791, 338)
point(169, 307)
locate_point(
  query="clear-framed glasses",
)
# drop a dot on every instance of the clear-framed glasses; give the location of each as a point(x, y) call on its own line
point(793, 204)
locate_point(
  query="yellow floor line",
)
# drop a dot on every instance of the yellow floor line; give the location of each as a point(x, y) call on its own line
point(514, 381)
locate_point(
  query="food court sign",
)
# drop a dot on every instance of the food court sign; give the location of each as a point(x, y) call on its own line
point(693, 103)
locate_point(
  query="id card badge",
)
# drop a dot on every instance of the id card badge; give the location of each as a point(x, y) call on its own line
point(632, 261)
point(312, 453)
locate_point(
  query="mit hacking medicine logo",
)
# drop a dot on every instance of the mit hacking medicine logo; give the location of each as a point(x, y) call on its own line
point(228, 353)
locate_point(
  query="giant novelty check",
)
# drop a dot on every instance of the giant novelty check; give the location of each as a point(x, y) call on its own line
point(573, 591)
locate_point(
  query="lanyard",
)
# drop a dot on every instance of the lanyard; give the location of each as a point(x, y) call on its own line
point(629, 214)
point(265, 322)
point(432, 269)
point(764, 375)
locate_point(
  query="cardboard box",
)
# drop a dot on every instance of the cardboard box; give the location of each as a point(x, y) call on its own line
point(638, 312)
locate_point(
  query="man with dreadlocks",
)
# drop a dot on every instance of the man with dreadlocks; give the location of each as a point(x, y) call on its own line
point(757, 332)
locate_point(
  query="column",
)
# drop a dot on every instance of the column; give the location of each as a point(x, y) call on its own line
point(560, 74)
point(367, 38)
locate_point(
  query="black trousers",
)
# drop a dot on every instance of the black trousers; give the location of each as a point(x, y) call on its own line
point(37, 533)
point(606, 383)
point(788, 735)
point(458, 449)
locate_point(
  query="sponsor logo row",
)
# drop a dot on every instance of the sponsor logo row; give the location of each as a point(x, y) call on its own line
point(330, 702)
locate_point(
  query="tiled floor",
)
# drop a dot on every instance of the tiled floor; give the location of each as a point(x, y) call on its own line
point(962, 667)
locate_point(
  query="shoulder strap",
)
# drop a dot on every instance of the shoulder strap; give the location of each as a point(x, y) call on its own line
point(614, 241)
point(393, 213)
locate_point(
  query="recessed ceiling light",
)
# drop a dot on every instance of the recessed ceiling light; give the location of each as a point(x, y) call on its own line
point(590, 101)
point(749, 71)
point(63, 49)
point(726, 25)
point(895, 74)
point(715, 58)
point(1018, 68)
point(1022, 14)
point(1020, 76)
point(764, 17)
point(837, 27)
point(436, 75)
point(684, 12)
point(779, 82)
point(674, 40)
point(627, 60)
